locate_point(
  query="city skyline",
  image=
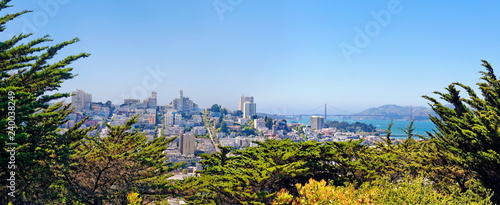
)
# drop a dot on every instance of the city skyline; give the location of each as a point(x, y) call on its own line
point(291, 56)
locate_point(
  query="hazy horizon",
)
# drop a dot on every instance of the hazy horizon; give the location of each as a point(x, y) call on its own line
point(292, 57)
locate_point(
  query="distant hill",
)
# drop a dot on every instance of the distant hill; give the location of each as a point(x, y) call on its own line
point(387, 112)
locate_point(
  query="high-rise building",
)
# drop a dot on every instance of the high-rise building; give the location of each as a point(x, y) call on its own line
point(187, 144)
point(152, 101)
point(183, 104)
point(316, 122)
point(81, 100)
point(249, 109)
point(244, 99)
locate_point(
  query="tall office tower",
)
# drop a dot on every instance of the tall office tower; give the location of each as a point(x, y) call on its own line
point(244, 99)
point(249, 109)
point(183, 104)
point(81, 100)
point(316, 122)
point(187, 144)
point(152, 101)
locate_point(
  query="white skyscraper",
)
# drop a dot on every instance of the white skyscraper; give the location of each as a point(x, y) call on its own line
point(249, 109)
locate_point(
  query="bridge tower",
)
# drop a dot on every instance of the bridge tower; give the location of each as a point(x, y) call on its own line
point(325, 112)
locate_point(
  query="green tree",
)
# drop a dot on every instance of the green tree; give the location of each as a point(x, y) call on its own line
point(220, 122)
point(223, 127)
point(249, 176)
point(269, 122)
point(412, 158)
point(348, 127)
point(215, 108)
point(238, 113)
point(248, 131)
point(28, 70)
point(223, 111)
point(469, 132)
point(106, 169)
point(256, 174)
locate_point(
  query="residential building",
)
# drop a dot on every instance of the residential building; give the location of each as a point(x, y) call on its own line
point(131, 101)
point(228, 142)
point(242, 121)
point(197, 119)
point(173, 131)
point(178, 119)
point(169, 118)
point(200, 130)
point(259, 123)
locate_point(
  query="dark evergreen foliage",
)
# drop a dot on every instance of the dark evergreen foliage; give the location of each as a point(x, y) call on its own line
point(29, 69)
point(351, 127)
point(469, 132)
point(462, 158)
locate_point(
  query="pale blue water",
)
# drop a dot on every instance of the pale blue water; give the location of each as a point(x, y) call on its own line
point(421, 127)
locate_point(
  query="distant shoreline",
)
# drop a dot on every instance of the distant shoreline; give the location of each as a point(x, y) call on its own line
point(421, 126)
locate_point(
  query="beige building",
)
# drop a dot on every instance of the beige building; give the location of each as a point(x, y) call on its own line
point(187, 144)
point(244, 99)
point(81, 100)
point(316, 122)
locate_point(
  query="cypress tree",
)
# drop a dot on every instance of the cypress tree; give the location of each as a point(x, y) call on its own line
point(28, 70)
point(106, 169)
point(469, 131)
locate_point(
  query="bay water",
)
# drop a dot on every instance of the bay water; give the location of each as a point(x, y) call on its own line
point(421, 127)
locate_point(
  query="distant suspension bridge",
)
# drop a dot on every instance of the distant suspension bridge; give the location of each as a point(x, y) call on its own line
point(347, 115)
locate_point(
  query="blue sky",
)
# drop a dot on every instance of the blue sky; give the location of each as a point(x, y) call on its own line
point(290, 55)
